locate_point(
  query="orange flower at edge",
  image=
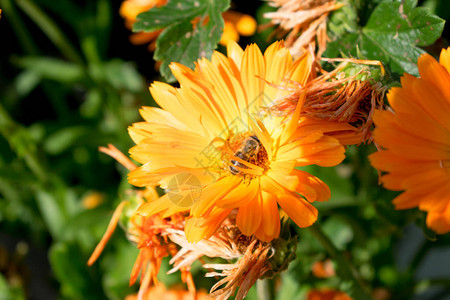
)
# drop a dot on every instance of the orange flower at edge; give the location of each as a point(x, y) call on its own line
point(415, 141)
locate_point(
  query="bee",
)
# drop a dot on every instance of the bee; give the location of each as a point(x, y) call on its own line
point(249, 148)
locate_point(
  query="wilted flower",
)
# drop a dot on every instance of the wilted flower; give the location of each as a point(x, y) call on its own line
point(145, 232)
point(302, 22)
point(415, 140)
point(336, 97)
point(248, 259)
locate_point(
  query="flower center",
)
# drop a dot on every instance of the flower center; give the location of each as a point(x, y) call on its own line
point(244, 155)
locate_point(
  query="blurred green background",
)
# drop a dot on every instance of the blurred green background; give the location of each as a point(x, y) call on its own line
point(70, 82)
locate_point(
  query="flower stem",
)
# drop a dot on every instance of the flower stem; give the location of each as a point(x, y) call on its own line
point(345, 269)
point(263, 289)
point(51, 29)
point(18, 26)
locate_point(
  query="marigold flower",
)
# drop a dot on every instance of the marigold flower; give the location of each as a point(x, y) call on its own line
point(303, 22)
point(211, 128)
point(327, 294)
point(415, 141)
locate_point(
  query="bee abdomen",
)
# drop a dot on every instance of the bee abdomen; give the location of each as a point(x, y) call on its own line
point(235, 163)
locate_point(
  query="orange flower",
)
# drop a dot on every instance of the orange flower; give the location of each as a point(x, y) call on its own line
point(130, 9)
point(415, 138)
point(236, 24)
point(211, 132)
point(327, 294)
point(323, 269)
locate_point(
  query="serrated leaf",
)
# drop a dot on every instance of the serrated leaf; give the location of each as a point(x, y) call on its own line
point(177, 43)
point(173, 12)
point(392, 35)
point(397, 34)
point(191, 29)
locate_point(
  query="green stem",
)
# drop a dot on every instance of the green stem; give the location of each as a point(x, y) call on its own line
point(345, 269)
point(10, 130)
point(263, 289)
point(51, 29)
point(24, 37)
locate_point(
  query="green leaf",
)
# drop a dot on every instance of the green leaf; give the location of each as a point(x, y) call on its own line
point(181, 41)
point(51, 212)
point(63, 139)
point(397, 35)
point(11, 290)
point(26, 81)
point(392, 35)
point(117, 268)
point(123, 75)
point(52, 68)
point(69, 267)
point(173, 12)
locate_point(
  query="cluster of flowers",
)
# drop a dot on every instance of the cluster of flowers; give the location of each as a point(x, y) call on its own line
point(228, 145)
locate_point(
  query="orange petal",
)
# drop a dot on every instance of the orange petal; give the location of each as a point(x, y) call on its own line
point(311, 187)
point(298, 209)
point(239, 196)
point(249, 216)
point(197, 229)
point(212, 193)
point(270, 226)
point(109, 231)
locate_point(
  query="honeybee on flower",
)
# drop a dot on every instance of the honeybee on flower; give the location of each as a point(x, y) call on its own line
point(218, 107)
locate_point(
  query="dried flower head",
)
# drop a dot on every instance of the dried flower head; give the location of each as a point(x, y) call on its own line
point(336, 97)
point(248, 259)
point(304, 23)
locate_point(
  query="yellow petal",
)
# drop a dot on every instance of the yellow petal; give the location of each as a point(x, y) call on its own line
point(252, 75)
point(235, 54)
